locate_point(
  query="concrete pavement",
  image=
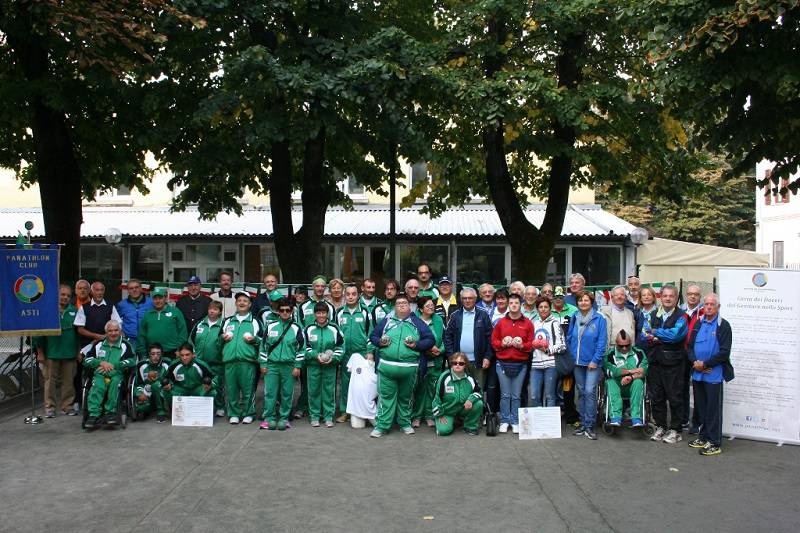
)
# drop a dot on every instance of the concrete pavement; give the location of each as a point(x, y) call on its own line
point(150, 477)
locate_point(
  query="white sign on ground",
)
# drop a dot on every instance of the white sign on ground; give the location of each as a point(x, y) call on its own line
point(763, 308)
point(539, 423)
point(195, 411)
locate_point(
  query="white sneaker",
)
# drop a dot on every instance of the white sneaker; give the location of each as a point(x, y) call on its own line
point(514, 428)
point(376, 434)
point(672, 437)
point(409, 430)
point(234, 420)
point(221, 413)
point(658, 435)
point(247, 420)
point(503, 428)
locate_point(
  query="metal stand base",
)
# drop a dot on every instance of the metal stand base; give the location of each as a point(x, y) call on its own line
point(34, 419)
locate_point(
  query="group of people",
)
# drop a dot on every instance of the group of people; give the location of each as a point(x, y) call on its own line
point(439, 355)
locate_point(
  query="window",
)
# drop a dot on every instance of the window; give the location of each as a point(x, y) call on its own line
point(147, 261)
point(479, 264)
point(600, 265)
point(122, 190)
point(785, 195)
point(436, 256)
point(557, 267)
point(777, 254)
point(419, 173)
point(351, 264)
point(101, 262)
point(352, 188)
point(260, 260)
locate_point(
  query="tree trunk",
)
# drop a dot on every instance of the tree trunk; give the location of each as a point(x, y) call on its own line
point(532, 247)
point(57, 170)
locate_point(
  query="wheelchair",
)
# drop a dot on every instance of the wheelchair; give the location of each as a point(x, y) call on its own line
point(604, 411)
point(124, 405)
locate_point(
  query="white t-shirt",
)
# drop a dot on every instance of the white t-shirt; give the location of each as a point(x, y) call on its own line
point(363, 392)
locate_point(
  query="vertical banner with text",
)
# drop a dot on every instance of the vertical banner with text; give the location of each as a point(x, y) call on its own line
point(762, 306)
point(29, 291)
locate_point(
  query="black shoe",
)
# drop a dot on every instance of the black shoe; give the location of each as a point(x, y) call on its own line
point(91, 422)
point(111, 419)
point(471, 432)
point(590, 434)
point(578, 431)
point(160, 419)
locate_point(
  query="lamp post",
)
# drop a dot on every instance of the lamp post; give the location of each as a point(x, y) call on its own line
point(638, 237)
point(33, 419)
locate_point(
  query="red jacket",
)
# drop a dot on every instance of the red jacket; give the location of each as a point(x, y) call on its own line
point(508, 327)
point(691, 319)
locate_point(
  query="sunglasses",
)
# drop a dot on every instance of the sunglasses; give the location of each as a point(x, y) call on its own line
point(459, 363)
point(285, 310)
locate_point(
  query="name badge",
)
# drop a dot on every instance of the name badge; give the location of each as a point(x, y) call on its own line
point(312, 337)
point(179, 377)
point(359, 319)
point(72, 313)
point(200, 330)
point(169, 313)
point(229, 328)
point(307, 311)
point(101, 353)
point(343, 321)
point(273, 333)
point(450, 389)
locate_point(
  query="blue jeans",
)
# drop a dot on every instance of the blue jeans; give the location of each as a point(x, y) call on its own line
point(510, 391)
point(586, 381)
point(548, 378)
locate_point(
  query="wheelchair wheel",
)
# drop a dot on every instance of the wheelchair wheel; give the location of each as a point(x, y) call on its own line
point(608, 429)
point(86, 386)
point(648, 429)
point(133, 412)
point(122, 402)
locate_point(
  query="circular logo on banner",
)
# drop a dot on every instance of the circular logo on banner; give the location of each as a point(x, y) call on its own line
point(29, 288)
point(759, 279)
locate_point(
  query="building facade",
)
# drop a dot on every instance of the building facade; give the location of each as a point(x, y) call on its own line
point(777, 221)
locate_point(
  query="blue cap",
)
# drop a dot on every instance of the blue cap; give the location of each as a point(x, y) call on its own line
point(445, 279)
point(193, 279)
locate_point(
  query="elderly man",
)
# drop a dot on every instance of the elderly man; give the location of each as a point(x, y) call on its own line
point(92, 318)
point(694, 310)
point(108, 359)
point(618, 317)
point(401, 338)
point(225, 294)
point(447, 302)
point(306, 311)
point(625, 366)
point(426, 286)
point(193, 304)
point(547, 291)
point(634, 285)
point(529, 302)
point(666, 356)
point(709, 354)
point(57, 357)
point(470, 331)
point(163, 324)
point(132, 309)
point(82, 293)
point(412, 289)
point(486, 293)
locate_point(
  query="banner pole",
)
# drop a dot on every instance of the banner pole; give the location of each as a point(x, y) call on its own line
point(34, 419)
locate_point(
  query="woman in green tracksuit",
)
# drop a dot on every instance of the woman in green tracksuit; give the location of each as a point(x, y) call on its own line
point(281, 358)
point(207, 342)
point(457, 394)
point(401, 337)
point(324, 349)
point(188, 376)
point(241, 334)
point(423, 394)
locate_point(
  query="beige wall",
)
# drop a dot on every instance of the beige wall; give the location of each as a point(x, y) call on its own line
point(159, 195)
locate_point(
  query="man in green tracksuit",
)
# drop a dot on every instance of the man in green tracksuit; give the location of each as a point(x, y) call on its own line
point(626, 367)
point(207, 341)
point(305, 317)
point(147, 385)
point(163, 324)
point(108, 359)
point(188, 376)
point(400, 337)
point(457, 395)
point(353, 320)
point(241, 334)
point(385, 306)
point(324, 348)
point(368, 300)
point(281, 357)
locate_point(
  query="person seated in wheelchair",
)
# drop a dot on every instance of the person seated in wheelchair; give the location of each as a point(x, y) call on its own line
point(457, 395)
point(626, 367)
point(108, 360)
point(150, 373)
point(188, 376)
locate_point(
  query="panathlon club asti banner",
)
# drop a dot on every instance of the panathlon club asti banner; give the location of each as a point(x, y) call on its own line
point(763, 401)
point(29, 291)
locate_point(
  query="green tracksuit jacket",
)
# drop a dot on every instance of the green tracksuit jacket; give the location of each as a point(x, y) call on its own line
point(64, 346)
point(289, 350)
point(238, 349)
point(306, 312)
point(451, 392)
point(150, 387)
point(322, 378)
point(187, 380)
point(207, 341)
point(613, 363)
point(167, 327)
point(369, 305)
point(355, 326)
point(121, 355)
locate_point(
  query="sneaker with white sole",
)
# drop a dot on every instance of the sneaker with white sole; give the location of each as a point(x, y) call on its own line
point(376, 434)
point(220, 413)
point(672, 437)
point(234, 420)
point(503, 428)
point(699, 443)
point(409, 431)
point(315, 423)
point(658, 434)
point(247, 420)
point(515, 428)
point(329, 423)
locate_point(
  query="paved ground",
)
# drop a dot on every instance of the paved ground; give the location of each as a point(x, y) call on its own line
point(150, 477)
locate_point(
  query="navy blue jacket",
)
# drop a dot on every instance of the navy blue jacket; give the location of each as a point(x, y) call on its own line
point(482, 339)
point(425, 342)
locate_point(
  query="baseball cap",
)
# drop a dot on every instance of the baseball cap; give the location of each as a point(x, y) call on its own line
point(160, 291)
point(275, 295)
point(193, 279)
point(558, 292)
point(242, 293)
point(445, 279)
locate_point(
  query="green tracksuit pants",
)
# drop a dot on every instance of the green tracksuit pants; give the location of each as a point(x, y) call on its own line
point(155, 402)
point(472, 417)
point(278, 389)
point(240, 382)
point(634, 390)
point(423, 395)
point(219, 373)
point(344, 383)
point(395, 395)
point(321, 391)
point(104, 386)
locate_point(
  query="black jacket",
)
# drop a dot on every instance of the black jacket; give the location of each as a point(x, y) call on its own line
point(482, 338)
point(193, 310)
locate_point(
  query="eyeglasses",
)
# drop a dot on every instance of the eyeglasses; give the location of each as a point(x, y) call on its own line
point(459, 363)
